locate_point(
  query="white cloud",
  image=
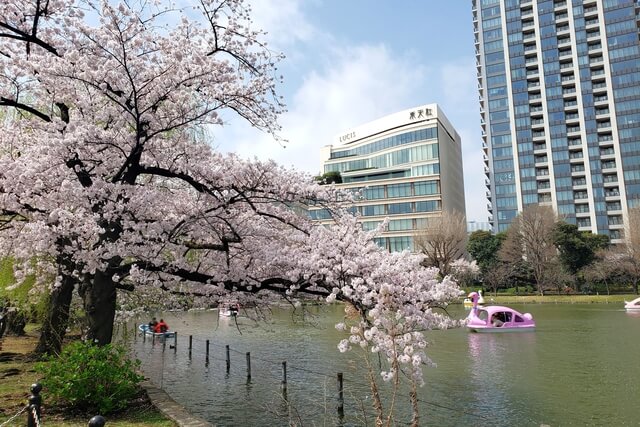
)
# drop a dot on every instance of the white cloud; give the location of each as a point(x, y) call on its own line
point(284, 22)
point(354, 86)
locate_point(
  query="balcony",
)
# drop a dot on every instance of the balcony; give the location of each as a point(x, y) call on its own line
point(614, 206)
point(565, 52)
point(541, 160)
point(583, 223)
point(612, 194)
point(544, 198)
point(590, 23)
point(615, 220)
point(593, 34)
point(605, 139)
point(580, 195)
point(542, 172)
point(603, 125)
point(571, 130)
point(582, 209)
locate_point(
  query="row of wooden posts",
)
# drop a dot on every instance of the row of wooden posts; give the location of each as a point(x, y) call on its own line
point(340, 382)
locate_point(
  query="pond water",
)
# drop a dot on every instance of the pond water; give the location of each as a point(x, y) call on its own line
point(579, 367)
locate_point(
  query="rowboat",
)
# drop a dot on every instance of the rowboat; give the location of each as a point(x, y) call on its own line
point(229, 309)
point(144, 328)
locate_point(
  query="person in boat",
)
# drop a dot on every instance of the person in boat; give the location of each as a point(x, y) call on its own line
point(497, 320)
point(161, 327)
point(152, 324)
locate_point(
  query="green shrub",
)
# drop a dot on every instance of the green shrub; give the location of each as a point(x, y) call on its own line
point(91, 378)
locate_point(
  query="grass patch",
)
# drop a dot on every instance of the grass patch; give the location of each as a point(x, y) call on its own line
point(17, 373)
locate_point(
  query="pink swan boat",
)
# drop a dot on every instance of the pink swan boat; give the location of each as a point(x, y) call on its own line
point(496, 318)
point(632, 305)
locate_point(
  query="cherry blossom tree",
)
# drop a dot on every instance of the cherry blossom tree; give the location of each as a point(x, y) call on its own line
point(108, 185)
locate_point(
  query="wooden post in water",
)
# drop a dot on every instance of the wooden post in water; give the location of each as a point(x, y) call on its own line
point(144, 336)
point(190, 345)
point(248, 366)
point(164, 342)
point(284, 377)
point(175, 342)
point(153, 339)
point(207, 352)
point(228, 359)
point(340, 395)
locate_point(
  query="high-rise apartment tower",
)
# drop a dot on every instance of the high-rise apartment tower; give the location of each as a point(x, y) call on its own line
point(559, 84)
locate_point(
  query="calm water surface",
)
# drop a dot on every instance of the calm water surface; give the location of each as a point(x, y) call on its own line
point(580, 367)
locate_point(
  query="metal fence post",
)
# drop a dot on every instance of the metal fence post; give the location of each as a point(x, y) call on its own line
point(340, 395)
point(35, 401)
point(248, 366)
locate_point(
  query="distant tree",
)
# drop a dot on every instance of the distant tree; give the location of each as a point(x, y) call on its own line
point(630, 248)
point(464, 272)
point(530, 240)
point(576, 248)
point(607, 268)
point(332, 177)
point(483, 246)
point(442, 240)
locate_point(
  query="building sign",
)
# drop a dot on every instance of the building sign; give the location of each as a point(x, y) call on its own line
point(420, 114)
point(348, 137)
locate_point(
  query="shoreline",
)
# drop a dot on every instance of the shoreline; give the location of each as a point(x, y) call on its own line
point(502, 299)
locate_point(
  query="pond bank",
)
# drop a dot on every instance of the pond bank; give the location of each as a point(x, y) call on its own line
point(558, 299)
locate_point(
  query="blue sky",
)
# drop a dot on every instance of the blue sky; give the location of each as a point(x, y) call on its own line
point(352, 61)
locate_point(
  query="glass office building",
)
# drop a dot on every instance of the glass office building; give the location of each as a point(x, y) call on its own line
point(406, 166)
point(559, 84)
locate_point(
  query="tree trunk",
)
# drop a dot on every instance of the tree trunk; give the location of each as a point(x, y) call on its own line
point(55, 325)
point(15, 320)
point(99, 299)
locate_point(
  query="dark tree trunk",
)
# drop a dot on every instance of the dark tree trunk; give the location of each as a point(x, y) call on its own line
point(99, 297)
point(15, 320)
point(55, 325)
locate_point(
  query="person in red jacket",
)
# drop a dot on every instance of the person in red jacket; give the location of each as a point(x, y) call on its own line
point(161, 327)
